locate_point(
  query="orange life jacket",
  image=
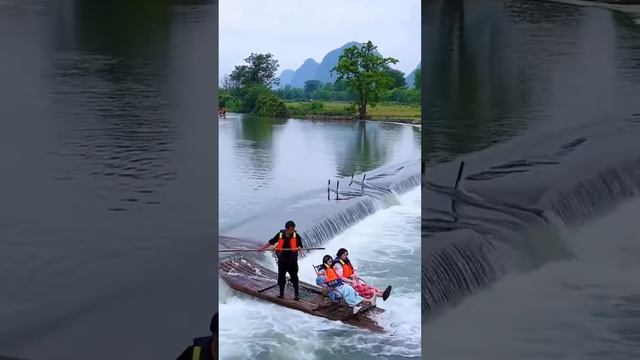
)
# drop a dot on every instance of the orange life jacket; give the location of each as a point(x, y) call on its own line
point(347, 269)
point(331, 277)
point(293, 243)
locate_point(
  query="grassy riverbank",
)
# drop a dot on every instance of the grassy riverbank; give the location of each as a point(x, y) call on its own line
point(338, 109)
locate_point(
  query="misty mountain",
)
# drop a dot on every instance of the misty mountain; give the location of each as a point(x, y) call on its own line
point(305, 72)
point(312, 70)
point(286, 76)
point(412, 76)
point(329, 62)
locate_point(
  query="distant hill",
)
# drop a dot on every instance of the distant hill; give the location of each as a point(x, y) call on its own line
point(305, 72)
point(412, 76)
point(312, 70)
point(329, 62)
point(286, 77)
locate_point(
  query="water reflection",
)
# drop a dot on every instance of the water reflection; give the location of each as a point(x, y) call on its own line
point(258, 131)
point(359, 149)
point(544, 12)
point(496, 68)
point(265, 160)
point(551, 74)
point(363, 151)
point(142, 28)
point(255, 145)
point(474, 87)
point(110, 89)
point(96, 120)
point(628, 31)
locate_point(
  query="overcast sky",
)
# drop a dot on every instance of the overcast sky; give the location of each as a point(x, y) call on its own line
point(294, 30)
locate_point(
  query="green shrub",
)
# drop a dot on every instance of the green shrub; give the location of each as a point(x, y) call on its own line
point(269, 105)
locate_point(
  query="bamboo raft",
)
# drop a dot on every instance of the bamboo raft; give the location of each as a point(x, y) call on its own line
point(258, 281)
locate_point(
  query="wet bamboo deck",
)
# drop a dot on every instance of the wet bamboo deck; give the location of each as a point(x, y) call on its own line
point(255, 280)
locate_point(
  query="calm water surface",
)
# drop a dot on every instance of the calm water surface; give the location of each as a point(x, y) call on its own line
point(498, 68)
point(263, 161)
point(107, 151)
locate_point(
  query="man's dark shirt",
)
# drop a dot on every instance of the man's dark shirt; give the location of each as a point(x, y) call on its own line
point(287, 255)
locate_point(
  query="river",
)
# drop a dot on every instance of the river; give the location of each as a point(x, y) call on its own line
point(265, 162)
point(532, 255)
point(107, 150)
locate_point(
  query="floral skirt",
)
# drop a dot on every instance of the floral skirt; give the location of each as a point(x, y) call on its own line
point(364, 290)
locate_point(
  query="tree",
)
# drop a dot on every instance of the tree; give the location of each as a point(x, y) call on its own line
point(365, 72)
point(229, 84)
point(238, 78)
point(398, 78)
point(339, 85)
point(311, 85)
point(417, 81)
point(261, 70)
point(262, 101)
point(269, 105)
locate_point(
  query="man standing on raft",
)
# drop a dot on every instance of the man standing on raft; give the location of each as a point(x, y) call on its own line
point(287, 244)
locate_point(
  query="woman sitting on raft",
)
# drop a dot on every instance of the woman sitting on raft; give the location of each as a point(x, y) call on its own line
point(328, 277)
point(344, 269)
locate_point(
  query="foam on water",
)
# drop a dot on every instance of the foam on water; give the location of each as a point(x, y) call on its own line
point(385, 247)
point(588, 307)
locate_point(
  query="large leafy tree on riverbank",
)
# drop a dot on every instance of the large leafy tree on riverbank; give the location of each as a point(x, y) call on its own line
point(366, 72)
point(249, 87)
point(260, 70)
